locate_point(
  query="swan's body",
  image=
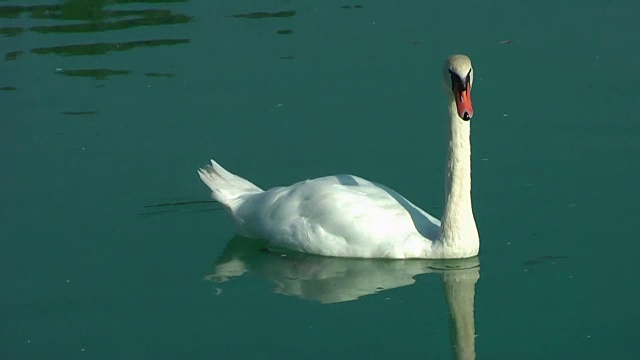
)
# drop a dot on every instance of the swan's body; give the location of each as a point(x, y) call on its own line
point(348, 216)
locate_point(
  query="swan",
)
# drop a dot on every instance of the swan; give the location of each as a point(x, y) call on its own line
point(347, 216)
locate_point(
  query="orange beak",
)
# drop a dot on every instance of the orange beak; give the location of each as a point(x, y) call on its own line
point(463, 102)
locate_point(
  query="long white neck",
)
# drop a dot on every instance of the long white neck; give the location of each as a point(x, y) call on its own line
point(459, 235)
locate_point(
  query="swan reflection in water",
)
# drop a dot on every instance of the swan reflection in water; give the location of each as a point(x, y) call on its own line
point(332, 280)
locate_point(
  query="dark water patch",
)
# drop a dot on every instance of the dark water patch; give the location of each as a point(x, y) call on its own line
point(35, 11)
point(351, 6)
point(98, 74)
point(55, 11)
point(11, 31)
point(288, 57)
point(103, 48)
point(159, 74)
point(205, 210)
point(263, 15)
point(146, 13)
point(147, 1)
point(181, 203)
point(79, 113)
point(181, 206)
point(11, 11)
point(543, 260)
point(284, 32)
point(9, 88)
point(12, 55)
point(160, 212)
point(157, 212)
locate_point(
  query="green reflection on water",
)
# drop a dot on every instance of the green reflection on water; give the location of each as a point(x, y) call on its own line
point(103, 48)
point(262, 15)
point(98, 74)
point(78, 9)
point(91, 11)
point(12, 55)
point(11, 12)
point(148, 18)
point(79, 113)
point(11, 31)
point(95, 19)
point(159, 74)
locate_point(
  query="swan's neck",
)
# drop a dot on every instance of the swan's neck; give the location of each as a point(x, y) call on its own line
point(459, 235)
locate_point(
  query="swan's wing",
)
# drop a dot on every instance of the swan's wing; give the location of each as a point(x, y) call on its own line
point(340, 215)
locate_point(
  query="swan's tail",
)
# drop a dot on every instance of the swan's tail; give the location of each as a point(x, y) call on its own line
point(226, 188)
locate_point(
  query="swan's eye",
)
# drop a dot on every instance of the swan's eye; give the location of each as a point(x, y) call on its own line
point(469, 77)
point(453, 75)
point(456, 81)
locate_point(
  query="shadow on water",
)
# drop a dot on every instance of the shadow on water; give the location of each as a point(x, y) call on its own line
point(265, 15)
point(91, 16)
point(332, 280)
point(181, 206)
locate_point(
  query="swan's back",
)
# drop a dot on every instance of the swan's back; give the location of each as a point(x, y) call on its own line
point(340, 215)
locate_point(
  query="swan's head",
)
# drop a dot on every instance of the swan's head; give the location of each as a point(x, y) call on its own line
point(458, 79)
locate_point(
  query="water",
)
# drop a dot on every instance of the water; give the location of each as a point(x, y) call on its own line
point(110, 248)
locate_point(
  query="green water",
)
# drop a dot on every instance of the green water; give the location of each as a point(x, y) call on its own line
point(110, 249)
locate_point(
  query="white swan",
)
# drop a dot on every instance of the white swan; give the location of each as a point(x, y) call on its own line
point(348, 216)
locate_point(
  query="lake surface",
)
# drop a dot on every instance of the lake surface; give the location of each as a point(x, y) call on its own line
point(112, 249)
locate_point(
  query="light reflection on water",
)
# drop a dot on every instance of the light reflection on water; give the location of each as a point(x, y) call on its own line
point(330, 280)
point(81, 16)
